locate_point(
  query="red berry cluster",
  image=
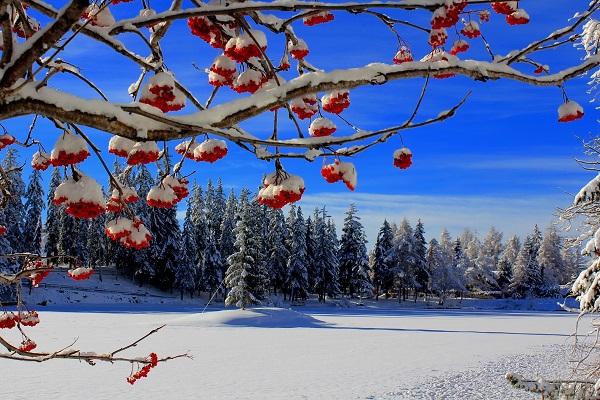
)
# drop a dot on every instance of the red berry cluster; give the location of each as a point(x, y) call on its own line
point(336, 102)
point(319, 18)
point(145, 370)
point(162, 99)
point(207, 31)
point(27, 345)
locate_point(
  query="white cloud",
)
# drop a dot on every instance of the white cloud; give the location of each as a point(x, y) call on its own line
point(512, 215)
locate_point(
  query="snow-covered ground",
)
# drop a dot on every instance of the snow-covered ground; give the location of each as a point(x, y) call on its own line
point(322, 353)
point(381, 350)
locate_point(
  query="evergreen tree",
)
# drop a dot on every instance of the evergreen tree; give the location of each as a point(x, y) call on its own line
point(448, 250)
point(402, 258)
point(143, 266)
point(442, 279)
point(353, 260)
point(212, 265)
point(53, 217)
point(506, 263)
point(69, 229)
point(311, 245)
point(381, 270)
point(227, 239)
point(96, 241)
point(297, 274)
point(527, 277)
point(277, 262)
point(242, 278)
point(14, 212)
point(186, 273)
point(419, 256)
point(34, 205)
point(550, 260)
point(326, 260)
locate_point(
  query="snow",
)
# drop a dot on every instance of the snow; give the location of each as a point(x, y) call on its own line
point(334, 351)
point(261, 317)
point(319, 352)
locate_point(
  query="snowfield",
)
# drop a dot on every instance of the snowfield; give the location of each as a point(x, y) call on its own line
point(306, 353)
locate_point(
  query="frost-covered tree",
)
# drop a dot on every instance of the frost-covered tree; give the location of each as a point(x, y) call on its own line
point(352, 255)
point(402, 258)
point(419, 250)
point(212, 265)
point(297, 275)
point(550, 260)
point(14, 211)
point(504, 275)
point(489, 256)
point(279, 255)
point(527, 275)
point(381, 270)
point(53, 217)
point(97, 245)
point(243, 278)
point(326, 259)
point(34, 205)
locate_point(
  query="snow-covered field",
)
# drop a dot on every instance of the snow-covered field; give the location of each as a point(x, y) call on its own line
point(321, 353)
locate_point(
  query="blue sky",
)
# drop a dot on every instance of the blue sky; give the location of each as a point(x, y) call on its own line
point(503, 160)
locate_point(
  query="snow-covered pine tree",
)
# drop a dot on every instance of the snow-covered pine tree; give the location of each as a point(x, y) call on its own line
point(218, 208)
point(143, 264)
point(401, 258)
point(278, 254)
point(34, 205)
point(478, 273)
point(488, 259)
point(296, 282)
point(551, 263)
point(310, 250)
point(573, 261)
point(448, 252)
point(526, 270)
point(97, 244)
point(14, 211)
point(68, 243)
point(81, 241)
point(352, 255)
point(506, 264)
point(382, 274)
point(212, 265)
point(7, 265)
point(186, 273)
point(53, 217)
point(420, 271)
point(326, 260)
point(260, 224)
point(226, 242)
point(242, 278)
point(165, 248)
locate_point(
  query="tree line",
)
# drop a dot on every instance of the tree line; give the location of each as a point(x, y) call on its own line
point(244, 252)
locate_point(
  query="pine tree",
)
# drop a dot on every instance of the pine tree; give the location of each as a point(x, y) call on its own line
point(527, 277)
point(506, 264)
point(441, 280)
point(353, 259)
point(68, 240)
point(34, 205)
point(242, 278)
point(297, 274)
point(53, 217)
point(419, 255)
point(212, 265)
point(186, 273)
point(226, 243)
point(277, 262)
point(401, 257)
point(448, 250)
point(14, 212)
point(165, 249)
point(311, 245)
point(142, 263)
point(326, 260)
point(96, 241)
point(550, 260)
point(382, 274)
